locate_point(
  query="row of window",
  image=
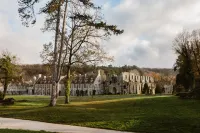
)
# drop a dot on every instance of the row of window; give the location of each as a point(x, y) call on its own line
point(72, 86)
point(137, 77)
point(43, 85)
point(84, 85)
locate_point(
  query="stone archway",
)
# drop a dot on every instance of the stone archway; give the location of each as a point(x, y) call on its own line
point(115, 90)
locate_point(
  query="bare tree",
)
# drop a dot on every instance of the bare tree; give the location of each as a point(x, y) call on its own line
point(187, 47)
point(27, 13)
point(85, 30)
point(82, 41)
point(56, 11)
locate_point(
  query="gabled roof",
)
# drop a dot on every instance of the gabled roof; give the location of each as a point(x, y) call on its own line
point(87, 78)
point(81, 79)
point(43, 80)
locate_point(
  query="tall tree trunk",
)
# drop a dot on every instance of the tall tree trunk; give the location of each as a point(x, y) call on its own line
point(59, 68)
point(68, 82)
point(54, 84)
point(62, 40)
point(5, 87)
point(68, 86)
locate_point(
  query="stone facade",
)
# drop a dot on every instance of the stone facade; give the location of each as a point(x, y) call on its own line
point(18, 89)
point(168, 89)
point(94, 83)
point(130, 83)
point(86, 84)
point(42, 85)
point(80, 85)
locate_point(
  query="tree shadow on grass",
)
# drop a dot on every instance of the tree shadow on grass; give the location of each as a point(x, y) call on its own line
point(152, 115)
point(142, 115)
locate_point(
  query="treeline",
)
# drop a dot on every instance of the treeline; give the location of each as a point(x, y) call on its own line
point(34, 69)
point(31, 70)
point(164, 71)
point(107, 69)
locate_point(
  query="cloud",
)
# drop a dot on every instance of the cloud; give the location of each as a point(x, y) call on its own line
point(150, 27)
point(26, 43)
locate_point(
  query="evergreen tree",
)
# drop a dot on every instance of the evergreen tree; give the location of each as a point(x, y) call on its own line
point(158, 89)
point(145, 89)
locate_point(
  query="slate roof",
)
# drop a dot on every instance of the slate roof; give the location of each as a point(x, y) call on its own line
point(87, 78)
point(42, 80)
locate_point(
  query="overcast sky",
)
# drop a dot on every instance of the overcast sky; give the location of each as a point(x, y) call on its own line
point(149, 25)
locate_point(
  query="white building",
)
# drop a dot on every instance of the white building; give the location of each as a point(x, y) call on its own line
point(93, 83)
point(42, 86)
point(130, 83)
point(80, 84)
point(168, 89)
point(85, 85)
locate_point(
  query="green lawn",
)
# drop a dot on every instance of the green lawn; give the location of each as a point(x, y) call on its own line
point(19, 131)
point(152, 114)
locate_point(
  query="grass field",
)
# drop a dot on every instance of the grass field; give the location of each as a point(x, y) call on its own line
point(151, 114)
point(19, 131)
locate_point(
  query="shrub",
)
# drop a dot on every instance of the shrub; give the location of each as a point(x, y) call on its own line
point(109, 93)
point(178, 88)
point(196, 93)
point(184, 95)
point(8, 101)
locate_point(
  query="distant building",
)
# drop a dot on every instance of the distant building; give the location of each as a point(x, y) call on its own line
point(130, 83)
point(93, 83)
point(168, 89)
point(42, 86)
point(80, 84)
point(18, 89)
point(85, 85)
